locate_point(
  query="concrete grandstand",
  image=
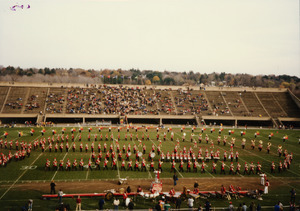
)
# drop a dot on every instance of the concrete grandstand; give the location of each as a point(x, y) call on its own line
point(87, 103)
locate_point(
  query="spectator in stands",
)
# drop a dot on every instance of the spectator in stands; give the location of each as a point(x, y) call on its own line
point(128, 190)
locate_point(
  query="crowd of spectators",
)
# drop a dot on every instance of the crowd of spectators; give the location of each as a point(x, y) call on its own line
point(17, 104)
point(55, 102)
point(125, 100)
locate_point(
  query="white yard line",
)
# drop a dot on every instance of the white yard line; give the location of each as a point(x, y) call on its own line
point(21, 175)
point(88, 170)
point(179, 172)
point(63, 160)
point(170, 162)
point(87, 174)
point(181, 149)
point(119, 176)
point(58, 167)
point(150, 176)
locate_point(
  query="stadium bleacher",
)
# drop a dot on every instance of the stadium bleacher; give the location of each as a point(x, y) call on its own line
point(121, 101)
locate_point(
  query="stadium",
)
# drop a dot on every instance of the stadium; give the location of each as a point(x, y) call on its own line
point(95, 133)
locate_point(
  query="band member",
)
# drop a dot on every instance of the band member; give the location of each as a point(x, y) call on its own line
point(188, 168)
point(269, 147)
point(243, 143)
point(105, 164)
point(231, 167)
point(54, 164)
point(160, 165)
point(173, 166)
point(47, 165)
point(246, 168)
point(223, 167)
point(123, 165)
point(214, 165)
point(238, 168)
point(129, 165)
point(143, 165)
point(152, 165)
point(74, 165)
point(273, 167)
point(114, 164)
point(81, 163)
point(258, 168)
point(136, 166)
point(251, 168)
point(203, 165)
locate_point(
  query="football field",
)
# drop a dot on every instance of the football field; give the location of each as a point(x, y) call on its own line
point(31, 170)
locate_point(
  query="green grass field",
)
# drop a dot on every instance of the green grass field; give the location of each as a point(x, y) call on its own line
point(32, 169)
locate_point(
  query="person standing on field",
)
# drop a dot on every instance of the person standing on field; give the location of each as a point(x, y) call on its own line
point(267, 184)
point(78, 203)
point(52, 186)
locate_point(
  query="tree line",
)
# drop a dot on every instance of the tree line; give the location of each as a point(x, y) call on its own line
point(147, 77)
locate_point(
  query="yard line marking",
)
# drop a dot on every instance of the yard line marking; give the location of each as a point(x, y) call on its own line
point(149, 174)
point(58, 168)
point(117, 160)
point(87, 174)
point(170, 162)
point(63, 159)
point(178, 172)
point(21, 175)
point(182, 149)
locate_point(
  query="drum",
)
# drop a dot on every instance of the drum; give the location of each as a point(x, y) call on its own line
point(140, 154)
point(109, 196)
point(152, 155)
point(121, 190)
point(129, 154)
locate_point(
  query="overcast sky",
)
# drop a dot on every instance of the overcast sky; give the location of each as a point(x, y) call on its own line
point(233, 36)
